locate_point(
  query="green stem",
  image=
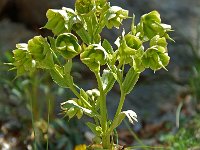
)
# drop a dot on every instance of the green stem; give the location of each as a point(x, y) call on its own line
point(119, 109)
point(103, 112)
point(121, 103)
point(32, 117)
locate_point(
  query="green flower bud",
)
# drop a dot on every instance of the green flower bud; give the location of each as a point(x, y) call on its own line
point(23, 60)
point(41, 52)
point(67, 45)
point(84, 6)
point(93, 94)
point(115, 16)
point(156, 58)
point(94, 56)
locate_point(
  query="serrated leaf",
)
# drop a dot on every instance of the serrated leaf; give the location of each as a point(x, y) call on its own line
point(71, 103)
point(108, 80)
point(60, 78)
point(107, 46)
point(130, 80)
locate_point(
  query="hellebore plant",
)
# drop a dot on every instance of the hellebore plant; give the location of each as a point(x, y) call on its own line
point(77, 33)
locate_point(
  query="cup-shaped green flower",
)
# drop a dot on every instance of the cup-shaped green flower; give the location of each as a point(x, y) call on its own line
point(133, 41)
point(84, 6)
point(94, 56)
point(155, 58)
point(57, 20)
point(128, 47)
point(115, 16)
point(41, 52)
point(67, 45)
point(23, 60)
point(150, 25)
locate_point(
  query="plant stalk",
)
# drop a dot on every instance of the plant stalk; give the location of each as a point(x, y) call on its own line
point(103, 112)
point(119, 109)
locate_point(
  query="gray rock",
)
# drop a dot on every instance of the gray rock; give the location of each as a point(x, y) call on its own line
point(12, 33)
point(148, 99)
point(34, 13)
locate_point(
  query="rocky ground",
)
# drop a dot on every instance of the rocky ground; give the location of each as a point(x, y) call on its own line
point(156, 97)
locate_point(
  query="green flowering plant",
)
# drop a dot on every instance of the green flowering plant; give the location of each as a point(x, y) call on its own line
point(77, 33)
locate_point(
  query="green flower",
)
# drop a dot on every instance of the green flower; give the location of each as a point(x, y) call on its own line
point(157, 40)
point(133, 41)
point(84, 6)
point(57, 21)
point(150, 25)
point(23, 60)
point(128, 47)
point(115, 16)
point(94, 56)
point(156, 58)
point(41, 52)
point(67, 45)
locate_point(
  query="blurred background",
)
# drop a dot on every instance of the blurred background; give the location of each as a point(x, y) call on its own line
point(167, 103)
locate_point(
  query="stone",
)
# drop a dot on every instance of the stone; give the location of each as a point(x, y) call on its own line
point(12, 33)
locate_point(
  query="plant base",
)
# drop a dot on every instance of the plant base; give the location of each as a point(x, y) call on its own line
point(100, 147)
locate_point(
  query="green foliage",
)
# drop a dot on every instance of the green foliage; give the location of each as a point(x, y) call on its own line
point(187, 137)
point(86, 24)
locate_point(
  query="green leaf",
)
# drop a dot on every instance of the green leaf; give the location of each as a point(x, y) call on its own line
point(108, 80)
point(71, 112)
point(117, 73)
point(130, 80)
point(68, 67)
point(58, 76)
point(97, 130)
point(83, 34)
point(133, 27)
point(117, 121)
point(131, 115)
point(71, 103)
point(107, 46)
point(83, 94)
